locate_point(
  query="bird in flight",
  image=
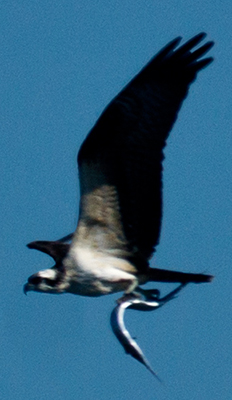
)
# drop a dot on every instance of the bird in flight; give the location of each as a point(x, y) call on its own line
point(120, 173)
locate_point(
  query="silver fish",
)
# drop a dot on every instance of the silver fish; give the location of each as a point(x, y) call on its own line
point(145, 300)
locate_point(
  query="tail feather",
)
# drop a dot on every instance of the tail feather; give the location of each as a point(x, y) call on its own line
point(164, 275)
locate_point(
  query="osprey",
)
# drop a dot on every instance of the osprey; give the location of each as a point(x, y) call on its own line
point(120, 172)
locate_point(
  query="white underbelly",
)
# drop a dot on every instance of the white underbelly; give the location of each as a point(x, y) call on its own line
point(92, 273)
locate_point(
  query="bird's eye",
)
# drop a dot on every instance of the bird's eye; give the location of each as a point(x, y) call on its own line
point(36, 280)
point(49, 282)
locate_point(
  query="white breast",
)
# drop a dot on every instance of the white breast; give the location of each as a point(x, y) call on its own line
point(93, 273)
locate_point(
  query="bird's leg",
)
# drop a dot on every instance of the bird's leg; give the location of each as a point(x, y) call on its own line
point(148, 300)
point(130, 292)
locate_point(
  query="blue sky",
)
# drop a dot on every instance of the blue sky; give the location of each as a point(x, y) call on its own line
point(61, 63)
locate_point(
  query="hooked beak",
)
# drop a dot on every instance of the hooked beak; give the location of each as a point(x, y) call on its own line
point(30, 285)
point(26, 288)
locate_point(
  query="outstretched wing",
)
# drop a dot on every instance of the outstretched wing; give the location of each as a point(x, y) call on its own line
point(120, 161)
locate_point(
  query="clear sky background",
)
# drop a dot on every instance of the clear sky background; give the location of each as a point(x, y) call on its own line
point(61, 63)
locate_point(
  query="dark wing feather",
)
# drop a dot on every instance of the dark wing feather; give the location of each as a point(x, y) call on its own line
point(120, 162)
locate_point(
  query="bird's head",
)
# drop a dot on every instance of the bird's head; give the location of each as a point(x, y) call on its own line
point(49, 280)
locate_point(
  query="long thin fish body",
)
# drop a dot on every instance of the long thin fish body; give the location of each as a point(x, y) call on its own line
point(124, 337)
point(122, 334)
